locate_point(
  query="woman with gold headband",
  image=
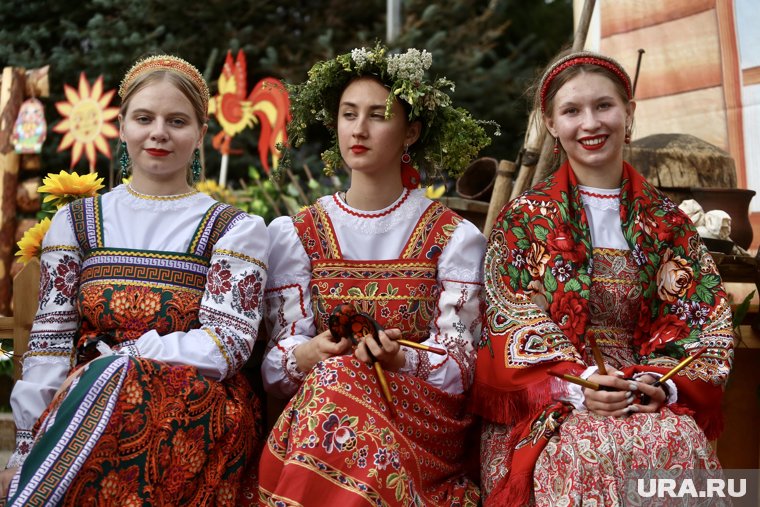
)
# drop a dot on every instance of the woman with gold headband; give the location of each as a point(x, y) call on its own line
point(594, 261)
point(386, 250)
point(149, 306)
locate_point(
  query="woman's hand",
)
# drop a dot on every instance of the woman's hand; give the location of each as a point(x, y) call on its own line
point(318, 349)
point(6, 476)
point(615, 403)
point(386, 350)
point(657, 395)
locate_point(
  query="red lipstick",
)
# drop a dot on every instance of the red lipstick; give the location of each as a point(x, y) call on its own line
point(358, 148)
point(157, 152)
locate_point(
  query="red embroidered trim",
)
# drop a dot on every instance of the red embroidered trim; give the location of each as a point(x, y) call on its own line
point(601, 196)
point(396, 206)
point(580, 59)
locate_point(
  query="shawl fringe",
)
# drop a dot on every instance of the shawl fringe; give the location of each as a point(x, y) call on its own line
point(513, 489)
point(510, 407)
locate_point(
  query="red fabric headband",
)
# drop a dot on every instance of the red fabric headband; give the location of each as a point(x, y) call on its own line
point(582, 59)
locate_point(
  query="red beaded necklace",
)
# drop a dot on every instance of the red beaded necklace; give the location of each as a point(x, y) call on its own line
point(390, 210)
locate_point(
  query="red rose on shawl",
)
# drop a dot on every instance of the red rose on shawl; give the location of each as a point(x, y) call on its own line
point(560, 240)
point(674, 277)
point(571, 315)
point(665, 330)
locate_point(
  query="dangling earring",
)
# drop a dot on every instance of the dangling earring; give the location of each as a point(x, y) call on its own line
point(196, 166)
point(556, 147)
point(410, 177)
point(627, 135)
point(124, 162)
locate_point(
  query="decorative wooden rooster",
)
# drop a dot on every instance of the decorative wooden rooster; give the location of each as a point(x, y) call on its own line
point(267, 105)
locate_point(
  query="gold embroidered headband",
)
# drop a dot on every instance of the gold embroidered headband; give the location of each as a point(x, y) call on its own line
point(168, 63)
point(584, 58)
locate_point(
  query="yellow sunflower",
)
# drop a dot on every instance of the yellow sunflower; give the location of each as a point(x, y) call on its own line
point(29, 245)
point(433, 192)
point(212, 188)
point(87, 120)
point(65, 187)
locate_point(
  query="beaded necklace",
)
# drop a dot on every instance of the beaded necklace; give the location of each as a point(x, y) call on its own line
point(140, 195)
point(341, 205)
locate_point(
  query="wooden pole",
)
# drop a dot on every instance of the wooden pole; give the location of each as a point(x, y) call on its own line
point(546, 157)
point(11, 96)
point(502, 189)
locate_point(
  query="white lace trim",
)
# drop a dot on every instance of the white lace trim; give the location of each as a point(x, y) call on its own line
point(600, 203)
point(137, 203)
point(460, 275)
point(409, 210)
point(31, 361)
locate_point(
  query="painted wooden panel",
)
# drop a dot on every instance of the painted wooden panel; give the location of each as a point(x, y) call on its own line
point(699, 113)
point(751, 120)
point(625, 15)
point(680, 55)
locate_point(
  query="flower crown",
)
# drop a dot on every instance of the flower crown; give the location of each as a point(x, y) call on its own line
point(169, 63)
point(450, 138)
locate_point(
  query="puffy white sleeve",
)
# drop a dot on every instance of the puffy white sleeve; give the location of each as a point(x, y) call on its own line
point(457, 322)
point(287, 303)
point(51, 342)
point(230, 312)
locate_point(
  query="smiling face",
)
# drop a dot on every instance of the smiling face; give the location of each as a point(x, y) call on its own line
point(161, 130)
point(370, 143)
point(590, 118)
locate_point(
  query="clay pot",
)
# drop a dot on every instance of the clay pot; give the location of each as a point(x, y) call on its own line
point(476, 182)
point(735, 202)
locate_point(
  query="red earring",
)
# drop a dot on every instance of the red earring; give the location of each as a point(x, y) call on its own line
point(410, 177)
point(627, 135)
point(556, 147)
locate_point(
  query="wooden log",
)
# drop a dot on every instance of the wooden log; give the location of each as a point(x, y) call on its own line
point(38, 82)
point(25, 301)
point(546, 158)
point(27, 197)
point(31, 162)
point(502, 191)
point(11, 96)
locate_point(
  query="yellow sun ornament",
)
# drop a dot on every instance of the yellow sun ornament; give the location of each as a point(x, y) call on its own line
point(29, 245)
point(87, 120)
point(64, 187)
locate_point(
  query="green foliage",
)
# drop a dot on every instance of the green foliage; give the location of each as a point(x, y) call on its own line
point(492, 50)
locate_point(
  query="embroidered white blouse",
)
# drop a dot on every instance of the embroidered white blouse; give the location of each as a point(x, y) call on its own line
point(289, 318)
point(140, 223)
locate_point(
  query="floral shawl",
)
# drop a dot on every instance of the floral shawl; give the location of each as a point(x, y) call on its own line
point(538, 269)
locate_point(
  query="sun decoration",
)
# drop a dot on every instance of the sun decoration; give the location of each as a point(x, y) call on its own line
point(64, 187)
point(29, 245)
point(87, 120)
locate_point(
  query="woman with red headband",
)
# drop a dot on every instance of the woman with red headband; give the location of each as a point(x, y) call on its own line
point(595, 274)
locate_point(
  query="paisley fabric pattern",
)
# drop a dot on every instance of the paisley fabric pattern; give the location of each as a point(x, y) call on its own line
point(336, 439)
point(541, 301)
point(164, 434)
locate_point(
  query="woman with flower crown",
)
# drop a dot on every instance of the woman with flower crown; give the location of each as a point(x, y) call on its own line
point(411, 264)
point(149, 306)
point(594, 273)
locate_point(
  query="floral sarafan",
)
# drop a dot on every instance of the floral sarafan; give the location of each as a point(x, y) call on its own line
point(450, 138)
point(64, 187)
point(30, 244)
